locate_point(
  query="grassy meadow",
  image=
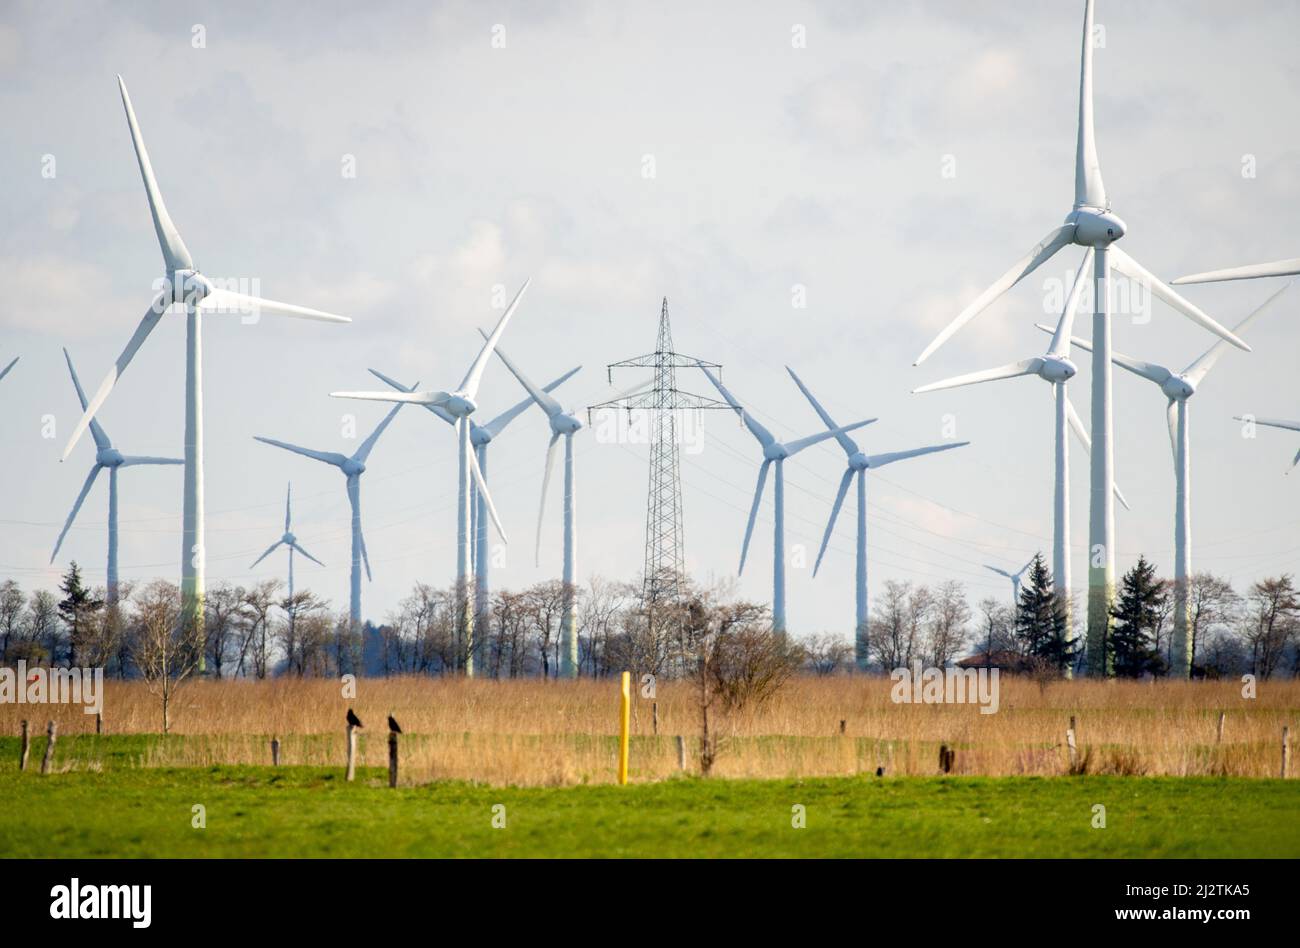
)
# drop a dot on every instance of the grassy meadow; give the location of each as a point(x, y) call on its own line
point(1149, 753)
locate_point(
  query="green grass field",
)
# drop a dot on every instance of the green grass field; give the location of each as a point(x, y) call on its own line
point(301, 811)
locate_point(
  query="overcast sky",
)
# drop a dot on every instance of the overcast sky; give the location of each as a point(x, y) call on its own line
point(493, 141)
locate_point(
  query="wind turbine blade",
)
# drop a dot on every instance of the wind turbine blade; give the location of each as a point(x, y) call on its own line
point(137, 460)
point(498, 424)
point(365, 555)
point(1171, 419)
point(880, 460)
point(753, 513)
point(406, 398)
point(329, 457)
point(1148, 370)
point(1013, 370)
point(764, 436)
point(288, 500)
point(1274, 423)
point(1088, 187)
point(269, 550)
point(363, 452)
point(1065, 325)
point(480, 482)
point(5, 370)
point(541, 508)
point(299, 548)
point(227, 302)
point(1000, 572)
point(1026, 265)
point(848, 444)
point(543, 399)
point(794, 447)
point(1253, 271)
point(438, 410)
point(175, 254)
point(1197, 371)
point(845, 481)
point(85, 489)
point(1135, 271)
point(1080, 432)
point(156, 310)
point(96, 430)
point(469, 385)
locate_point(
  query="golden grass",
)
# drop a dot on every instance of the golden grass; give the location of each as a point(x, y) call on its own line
point(535, 732)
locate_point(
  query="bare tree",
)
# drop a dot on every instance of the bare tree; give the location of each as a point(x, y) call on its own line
point(1213, 605)
point(946, 631)
point(827, 654)
point(165, 649)
point(257, 641)
point(12, 606)
point(1272, 621)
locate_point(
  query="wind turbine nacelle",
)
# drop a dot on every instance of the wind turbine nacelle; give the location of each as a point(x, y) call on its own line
point(186, 286)
point(1095, 228)
point(109, 457)
point(460, 406)
point(1057, 369)
point(353, 466)
point(289, 538)
point(1178, 388)
point(566, 424)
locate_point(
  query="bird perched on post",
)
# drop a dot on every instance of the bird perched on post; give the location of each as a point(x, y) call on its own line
point(353, 719)
point(393, 725)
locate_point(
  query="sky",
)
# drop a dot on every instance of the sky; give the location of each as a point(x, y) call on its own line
point(814, 185)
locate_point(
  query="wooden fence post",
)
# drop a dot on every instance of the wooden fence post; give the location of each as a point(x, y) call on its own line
point(22, 757)
point(275, 752)
point(681, 752)
point(654, 711)
point(99, 722)
point(625, 702)
point(51, 736)
point(352, 752)
point(843, 724)
point(1222, 715)
point(945, 761)
point(1286, 750)
point(392, 758)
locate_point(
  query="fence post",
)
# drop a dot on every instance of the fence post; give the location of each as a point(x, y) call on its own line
point(843, 724)
point(392, 758)
point(1222, 715)
point(1070, 743)
point(99, 722)
point(654, 712)
point(681, 752)
point(1286, 751)
point(51, 735)
point(352, 752)
point(22, 757)
point(625, 706)
point(275, 752)
point(945, 761)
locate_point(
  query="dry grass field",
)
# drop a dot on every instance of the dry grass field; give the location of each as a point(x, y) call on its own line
point(530, 732)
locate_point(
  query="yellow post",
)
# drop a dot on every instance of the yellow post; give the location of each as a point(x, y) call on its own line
point(625, 710)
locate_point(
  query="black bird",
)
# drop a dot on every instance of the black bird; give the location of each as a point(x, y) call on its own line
point(393, 725)
point(353, 719)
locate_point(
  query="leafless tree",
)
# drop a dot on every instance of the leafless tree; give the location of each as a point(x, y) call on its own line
point(946, 629)
point(827, 654)
point(1271, 622)
point(165, 649)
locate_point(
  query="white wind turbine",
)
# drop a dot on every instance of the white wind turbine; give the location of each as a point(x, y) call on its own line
point(183, 283)
point(287, 540)
point(774, 452)
point(563, 424)
point(1178, 387)
point(1015, 578)
point(1091, 224)
point(1055, 368)
point(858, 464)
point(107, 458)
point(5, 370)
point(460, 405)
point(352, 468)
point(1275, 423)
point(480, 437)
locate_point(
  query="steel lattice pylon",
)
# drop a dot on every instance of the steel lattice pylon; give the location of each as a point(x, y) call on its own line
point(664, 532)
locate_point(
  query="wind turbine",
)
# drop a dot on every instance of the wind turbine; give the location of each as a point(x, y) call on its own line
point(1276, 423)
point(5, 370)
point(480, 437)
point(1252, 271)
point(774, 452)
point(183, 283)
point(107, 458)
point(563, 424)
point(1091, 224)
point(1015, 579)
point(287, 540)
point(1055, 368)
point(352, 467)
point(1178, 388)
point(460, 405)
point(858, 465)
